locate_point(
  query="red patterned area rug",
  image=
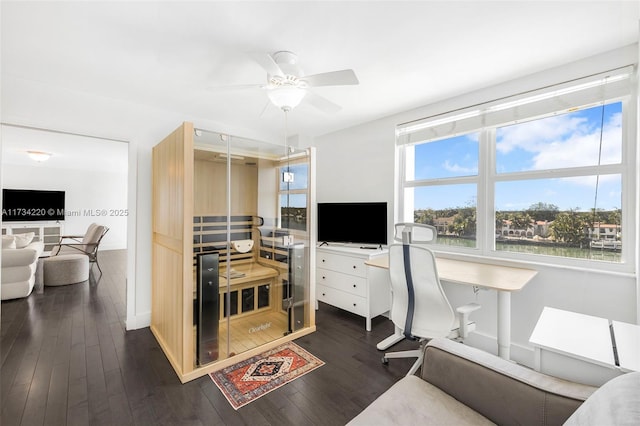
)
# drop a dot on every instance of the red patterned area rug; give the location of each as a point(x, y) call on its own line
point(250, 379)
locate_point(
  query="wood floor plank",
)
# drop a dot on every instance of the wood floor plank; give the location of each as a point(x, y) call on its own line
point(67, 359)
point(56, 408)
point(13, 405)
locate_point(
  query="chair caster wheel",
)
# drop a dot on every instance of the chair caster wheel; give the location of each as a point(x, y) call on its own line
point(385, 361)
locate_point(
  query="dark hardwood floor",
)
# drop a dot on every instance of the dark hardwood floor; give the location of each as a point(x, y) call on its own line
point(66, 359)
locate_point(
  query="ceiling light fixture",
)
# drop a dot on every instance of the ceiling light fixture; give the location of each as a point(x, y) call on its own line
point(38, 156)
point(286, 97)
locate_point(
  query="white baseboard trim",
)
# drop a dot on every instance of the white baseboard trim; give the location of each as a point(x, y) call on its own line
point(139, 321)
point(521, 354)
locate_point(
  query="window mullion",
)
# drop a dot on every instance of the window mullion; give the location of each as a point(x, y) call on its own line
point(486, 178)
point(569, 172)
point(441, 181)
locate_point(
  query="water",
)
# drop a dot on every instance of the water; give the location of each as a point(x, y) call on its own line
point(545, 250)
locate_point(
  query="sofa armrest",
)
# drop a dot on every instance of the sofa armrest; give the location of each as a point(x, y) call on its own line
point(18, 257)
point(502, 391)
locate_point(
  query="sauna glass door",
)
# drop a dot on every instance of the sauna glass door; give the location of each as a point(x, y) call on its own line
point(250, 208)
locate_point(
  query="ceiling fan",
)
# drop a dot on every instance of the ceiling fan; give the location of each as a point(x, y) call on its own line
point(287, 86)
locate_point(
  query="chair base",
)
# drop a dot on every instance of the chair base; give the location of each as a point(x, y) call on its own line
point(455, 335)
point(417, 353)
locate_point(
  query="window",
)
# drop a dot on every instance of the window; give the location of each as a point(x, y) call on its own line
point(292, 196)
point(540, 175)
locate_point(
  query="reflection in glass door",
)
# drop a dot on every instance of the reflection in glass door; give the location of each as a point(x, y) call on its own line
point(250, 211)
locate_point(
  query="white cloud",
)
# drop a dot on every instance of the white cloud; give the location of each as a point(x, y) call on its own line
point(535, 135)
point(458, 169)
point(564, 141)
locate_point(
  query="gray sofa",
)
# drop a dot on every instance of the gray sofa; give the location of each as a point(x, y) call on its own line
point(461, 385)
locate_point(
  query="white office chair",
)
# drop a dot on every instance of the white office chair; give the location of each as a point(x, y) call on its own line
point(420, 309)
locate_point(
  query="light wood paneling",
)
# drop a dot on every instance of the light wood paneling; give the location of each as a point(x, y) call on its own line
point(186, 186)
point(210, 180)
point(172, 306)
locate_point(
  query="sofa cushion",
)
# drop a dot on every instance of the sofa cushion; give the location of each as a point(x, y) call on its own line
point(413, 401)
point(19, 257)
point(8, 242)
point(617, 402)
point(23, 240)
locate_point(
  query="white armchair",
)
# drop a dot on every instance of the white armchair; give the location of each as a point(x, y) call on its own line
point(82, 244)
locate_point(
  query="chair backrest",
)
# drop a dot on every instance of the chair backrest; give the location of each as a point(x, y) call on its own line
point(419, 306)
point(92, 238)
point(90, 235)
point(100, 232)
point(415, 233)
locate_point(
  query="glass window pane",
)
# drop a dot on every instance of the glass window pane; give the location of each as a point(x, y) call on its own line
point(293, 211)
point(294, 176)
point(450, 208)
point(557, 217)
point(452, 157)
point(561, 141)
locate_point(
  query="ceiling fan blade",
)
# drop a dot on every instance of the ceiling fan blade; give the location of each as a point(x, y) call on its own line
point(334, 78)
point(323, 104)
point(267, 62)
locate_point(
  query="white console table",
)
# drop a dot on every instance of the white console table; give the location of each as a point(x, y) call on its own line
point(47, 232)
point(344, 280)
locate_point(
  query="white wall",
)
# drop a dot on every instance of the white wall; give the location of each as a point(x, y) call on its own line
point(357, 164)
point(86, 193)
point(30, 103)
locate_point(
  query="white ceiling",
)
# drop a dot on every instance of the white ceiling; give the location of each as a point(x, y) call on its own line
point(67, 151)
point(405, 54)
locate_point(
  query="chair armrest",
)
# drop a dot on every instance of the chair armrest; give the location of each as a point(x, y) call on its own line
point(82, 248)
point(502, 391)
point(77, 238)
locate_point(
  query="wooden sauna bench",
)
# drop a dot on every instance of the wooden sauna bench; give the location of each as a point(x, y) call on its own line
point(253, 292)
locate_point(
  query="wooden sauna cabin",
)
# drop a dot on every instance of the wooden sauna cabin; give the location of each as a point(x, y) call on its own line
point(231, 250)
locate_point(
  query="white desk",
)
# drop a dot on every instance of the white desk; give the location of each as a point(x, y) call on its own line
point(503, 279)
point(628, 344)
point(587, 338)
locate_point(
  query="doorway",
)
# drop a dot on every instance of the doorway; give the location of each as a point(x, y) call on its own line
point(92, 173)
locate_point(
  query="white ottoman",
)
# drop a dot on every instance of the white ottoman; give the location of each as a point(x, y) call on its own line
point(65, 269)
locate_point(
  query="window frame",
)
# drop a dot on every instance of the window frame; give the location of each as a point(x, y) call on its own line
point(280, 192)
point(488, 177)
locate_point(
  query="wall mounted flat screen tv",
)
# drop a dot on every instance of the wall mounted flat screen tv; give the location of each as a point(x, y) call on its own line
point(359, 223)
point(28, 205)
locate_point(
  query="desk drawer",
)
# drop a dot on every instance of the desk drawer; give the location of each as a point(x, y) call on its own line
point(340, 299)
point(343, 282)
point(341, 263)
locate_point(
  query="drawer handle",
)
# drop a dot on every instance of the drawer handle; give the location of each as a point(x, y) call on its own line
point(322, 260)
point(324, 294)
point(354, 266)
point(354, 286)
point(323, 278)
point(354, 304)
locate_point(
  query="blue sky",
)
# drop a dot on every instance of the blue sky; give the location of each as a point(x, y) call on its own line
point(564, 140)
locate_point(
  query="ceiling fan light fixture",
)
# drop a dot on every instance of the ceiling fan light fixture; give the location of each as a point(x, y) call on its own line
point(286, 97)
point(38, 156)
